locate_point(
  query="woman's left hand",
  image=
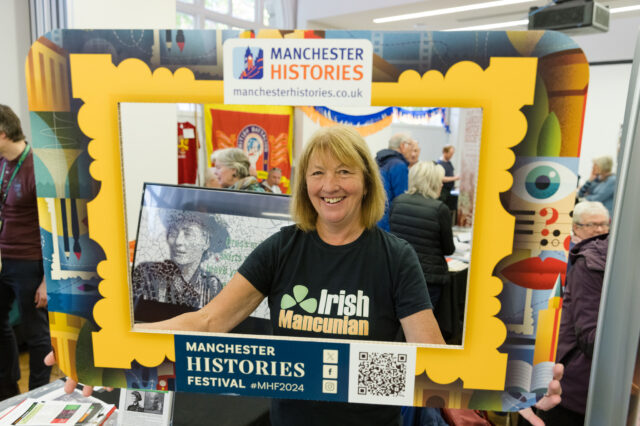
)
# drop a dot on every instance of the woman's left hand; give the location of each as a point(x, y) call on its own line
point(549, 400)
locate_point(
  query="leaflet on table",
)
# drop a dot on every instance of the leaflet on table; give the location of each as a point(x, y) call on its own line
point(44, 413)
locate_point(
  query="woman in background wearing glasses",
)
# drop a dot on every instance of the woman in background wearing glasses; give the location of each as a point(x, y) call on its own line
point(580, 305)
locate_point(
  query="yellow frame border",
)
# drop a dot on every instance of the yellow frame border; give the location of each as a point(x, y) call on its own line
point(500, 90)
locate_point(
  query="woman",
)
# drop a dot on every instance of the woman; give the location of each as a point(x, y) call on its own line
point(418, 217)
point(601, 185)
point(334, 246)
point(232, 168)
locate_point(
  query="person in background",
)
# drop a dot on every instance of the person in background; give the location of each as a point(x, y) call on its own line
point(422, 220)
point(601, 185)
point(394, 169)
point(232, 169)
point(449, 175)
point(590, 218)
point(272, 183)
point(415, 155)
point(22, 275)
point(211, 178)
point(580, 305)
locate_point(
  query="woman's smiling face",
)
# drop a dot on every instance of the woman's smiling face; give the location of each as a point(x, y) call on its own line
point(335, 190)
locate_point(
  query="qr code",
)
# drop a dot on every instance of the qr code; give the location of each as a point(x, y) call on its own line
point(382, 374)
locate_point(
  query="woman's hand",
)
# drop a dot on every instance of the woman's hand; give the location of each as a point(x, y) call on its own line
point(69, 384)
point(549, 400)
point(595, 171)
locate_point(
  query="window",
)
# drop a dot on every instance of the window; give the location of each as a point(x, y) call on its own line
point(230, 14)
point(185, 21)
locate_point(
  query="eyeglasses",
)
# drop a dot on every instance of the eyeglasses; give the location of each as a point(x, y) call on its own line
point(594, 225)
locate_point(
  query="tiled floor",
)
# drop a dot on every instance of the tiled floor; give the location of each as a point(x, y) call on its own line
point(23, 383)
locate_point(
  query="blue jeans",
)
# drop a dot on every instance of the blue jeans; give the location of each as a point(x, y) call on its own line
point(19, 279)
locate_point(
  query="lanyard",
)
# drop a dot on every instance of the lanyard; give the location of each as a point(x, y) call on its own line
point(15, 171)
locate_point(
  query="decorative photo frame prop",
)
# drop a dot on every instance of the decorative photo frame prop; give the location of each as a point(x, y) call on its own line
point(531, 87)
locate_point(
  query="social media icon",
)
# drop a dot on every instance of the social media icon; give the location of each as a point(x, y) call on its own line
point(330, 356)
point(330, 371)
point(329, 386)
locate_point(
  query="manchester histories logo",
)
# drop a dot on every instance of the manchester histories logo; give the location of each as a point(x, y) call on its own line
point(247, 63)
point(298, 72)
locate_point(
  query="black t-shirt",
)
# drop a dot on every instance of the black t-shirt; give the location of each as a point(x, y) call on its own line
point(356, 291)
point(448, 171)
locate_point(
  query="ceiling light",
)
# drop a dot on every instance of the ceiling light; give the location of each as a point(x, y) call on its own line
point(624, 9)
point(522, 22)
point(450, 10)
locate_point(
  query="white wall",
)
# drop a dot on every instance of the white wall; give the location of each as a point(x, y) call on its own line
point(138, 14)
point(148, 135)
point(606, 102)
point(15, 40)
point(616, 44)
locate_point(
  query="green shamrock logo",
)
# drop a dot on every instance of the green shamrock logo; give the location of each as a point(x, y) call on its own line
point(299, 294)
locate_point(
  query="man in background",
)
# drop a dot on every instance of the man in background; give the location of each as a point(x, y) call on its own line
point(272, 183)
point(22, 277)
point(394, 169)
point(449, 176)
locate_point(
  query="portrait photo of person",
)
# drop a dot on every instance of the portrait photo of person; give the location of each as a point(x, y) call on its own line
point(183, 282)
point(135, 402)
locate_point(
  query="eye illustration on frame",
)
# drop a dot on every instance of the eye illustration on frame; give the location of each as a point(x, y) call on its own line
point(543, 182)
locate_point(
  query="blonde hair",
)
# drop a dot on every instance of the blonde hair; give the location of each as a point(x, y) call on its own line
point(604, 163)
point(233, 158)
point(425, 178)
point(347, 146)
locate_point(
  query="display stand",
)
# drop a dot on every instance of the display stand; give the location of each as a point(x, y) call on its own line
point(618, 329)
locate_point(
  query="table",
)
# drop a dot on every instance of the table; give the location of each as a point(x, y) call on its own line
point(190, 409)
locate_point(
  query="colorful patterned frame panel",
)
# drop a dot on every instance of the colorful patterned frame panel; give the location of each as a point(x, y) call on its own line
point(531, 87)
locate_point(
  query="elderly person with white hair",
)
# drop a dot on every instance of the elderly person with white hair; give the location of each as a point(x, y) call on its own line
point(590, 218)
point(601, 185)
point(232, 168)
point(418, 217)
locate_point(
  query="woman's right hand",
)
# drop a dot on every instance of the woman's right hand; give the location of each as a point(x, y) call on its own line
point(70, 384)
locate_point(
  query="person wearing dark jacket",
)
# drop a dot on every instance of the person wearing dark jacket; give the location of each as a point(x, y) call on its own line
point(425, 222)
point(394, 169)
point(580, 306)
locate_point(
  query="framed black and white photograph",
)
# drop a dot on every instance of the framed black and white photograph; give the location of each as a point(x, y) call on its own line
point(191, 241)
